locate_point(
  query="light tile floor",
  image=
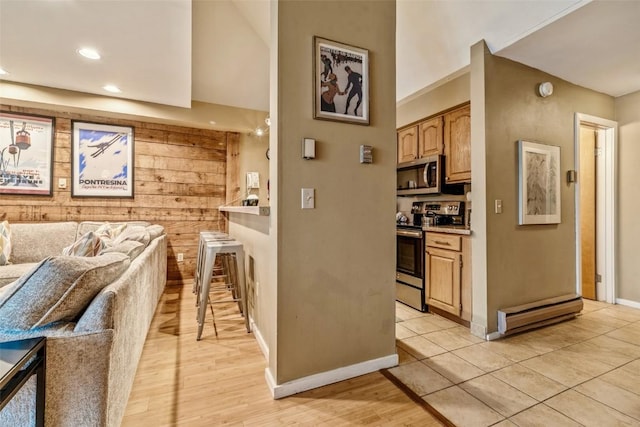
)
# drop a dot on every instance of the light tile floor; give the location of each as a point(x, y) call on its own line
point(584, 371)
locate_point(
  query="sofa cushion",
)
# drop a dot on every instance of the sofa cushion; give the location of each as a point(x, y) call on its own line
point(130, 248)
point(89, 244)
point(133, 233)
point(58, 289)
point(155, 231)
point(33, 242)
point(5, 242)
point(86, 226)
point(12, 272)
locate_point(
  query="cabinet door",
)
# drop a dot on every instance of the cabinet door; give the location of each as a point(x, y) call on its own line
point(443, 279)
point(457, 145)
point(430, 135)
point(408, 144)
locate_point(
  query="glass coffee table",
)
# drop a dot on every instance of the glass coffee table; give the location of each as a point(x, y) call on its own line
point(19, 360)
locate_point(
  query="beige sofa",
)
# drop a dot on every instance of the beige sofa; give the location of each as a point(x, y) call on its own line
point(91, 358)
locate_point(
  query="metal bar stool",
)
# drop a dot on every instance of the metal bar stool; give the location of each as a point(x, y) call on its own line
point(211, 248)
point(205, 235)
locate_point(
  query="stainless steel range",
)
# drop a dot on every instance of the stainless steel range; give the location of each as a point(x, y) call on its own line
point(410, 248)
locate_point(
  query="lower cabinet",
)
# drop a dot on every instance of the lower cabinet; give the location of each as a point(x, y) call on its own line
point(448, 285)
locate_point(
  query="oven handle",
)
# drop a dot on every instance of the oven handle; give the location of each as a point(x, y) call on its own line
point(410, 233)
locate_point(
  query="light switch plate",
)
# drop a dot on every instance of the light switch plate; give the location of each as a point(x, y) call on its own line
point(62, 183)
point(308, 198)
point(498, 206)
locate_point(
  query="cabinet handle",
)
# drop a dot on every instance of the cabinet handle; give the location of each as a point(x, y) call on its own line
point(441, 243)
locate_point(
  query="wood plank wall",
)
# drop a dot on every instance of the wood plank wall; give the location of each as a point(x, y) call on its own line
point(180, 180)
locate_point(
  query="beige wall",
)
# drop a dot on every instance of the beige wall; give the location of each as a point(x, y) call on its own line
point(252, 158)
point(528, 263)
point(336, 263)
point(628, 227)
point(199, 115)
point(445, 94)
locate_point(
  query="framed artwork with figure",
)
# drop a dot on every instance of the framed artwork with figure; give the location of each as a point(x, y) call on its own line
point(539, 183)
point(26, 154)
point(101, 160)
point(341, 82)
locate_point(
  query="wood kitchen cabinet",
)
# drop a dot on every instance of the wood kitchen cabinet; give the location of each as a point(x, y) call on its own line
point(448, 273)
point(457, 145)
point(430, 137)
point(408, 144)
point(421, 140)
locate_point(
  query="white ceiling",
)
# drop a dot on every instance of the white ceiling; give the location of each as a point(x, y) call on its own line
point(217, 51)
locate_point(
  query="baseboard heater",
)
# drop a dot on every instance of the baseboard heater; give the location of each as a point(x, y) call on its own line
point(539, 313)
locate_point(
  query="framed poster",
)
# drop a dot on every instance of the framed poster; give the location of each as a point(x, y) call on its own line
point(101, 160)
point(539, 183)
point(26, 154)
point(341, 82)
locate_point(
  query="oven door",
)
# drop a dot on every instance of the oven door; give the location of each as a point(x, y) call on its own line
point(410, 253)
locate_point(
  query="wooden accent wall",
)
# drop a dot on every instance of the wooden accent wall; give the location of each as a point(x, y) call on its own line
point(180, 180)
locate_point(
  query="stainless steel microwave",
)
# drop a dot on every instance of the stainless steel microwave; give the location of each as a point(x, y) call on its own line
point(433, 174)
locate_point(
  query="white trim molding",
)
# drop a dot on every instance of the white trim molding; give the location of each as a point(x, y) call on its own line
point(606, 213)
point(259, 338)
point(299, 385)
point(628, 303)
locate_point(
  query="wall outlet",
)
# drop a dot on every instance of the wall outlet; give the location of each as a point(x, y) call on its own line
point(180, 257)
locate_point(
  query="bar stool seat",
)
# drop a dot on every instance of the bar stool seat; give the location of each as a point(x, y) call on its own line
point(210, 248)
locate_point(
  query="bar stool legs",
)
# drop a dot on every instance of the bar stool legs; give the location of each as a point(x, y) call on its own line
point(233, 259)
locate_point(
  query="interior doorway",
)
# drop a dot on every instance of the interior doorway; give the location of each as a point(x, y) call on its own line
point(595, 143)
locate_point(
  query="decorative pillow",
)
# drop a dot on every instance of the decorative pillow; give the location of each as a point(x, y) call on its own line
point(136, 233)
point(5, 242)
point(155, 231)
point(130, 248)
point(58, 289)
point(90, 244)
point(110, 231)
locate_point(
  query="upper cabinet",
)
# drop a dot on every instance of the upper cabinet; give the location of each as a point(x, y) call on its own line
point(408, 144)
point(421, 140)
point(457, 145)
point(430, 134)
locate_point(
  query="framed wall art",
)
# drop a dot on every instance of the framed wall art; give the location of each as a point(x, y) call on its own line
point(539, 183)
point(26, 154)
point(101, 160)
point(341, 82)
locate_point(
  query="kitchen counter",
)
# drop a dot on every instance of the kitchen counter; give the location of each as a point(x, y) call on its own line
point(450, 229)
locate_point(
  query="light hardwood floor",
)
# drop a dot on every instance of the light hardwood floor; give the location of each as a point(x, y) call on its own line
point(216, 381)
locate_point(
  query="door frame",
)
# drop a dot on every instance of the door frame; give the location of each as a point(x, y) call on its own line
point(605, 202)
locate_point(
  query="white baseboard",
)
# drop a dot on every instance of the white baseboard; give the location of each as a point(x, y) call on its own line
point(628, 303)
point(279, 391)
point(261, 342)
point(493, 336)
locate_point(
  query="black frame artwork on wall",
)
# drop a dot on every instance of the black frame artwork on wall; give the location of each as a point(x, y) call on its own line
point(341, 82)
point(26, 154)
point(102, 160)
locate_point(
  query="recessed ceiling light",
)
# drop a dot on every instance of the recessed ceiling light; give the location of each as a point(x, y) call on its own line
point(87, 52)
point(111, 88)
point(212, 122)
point(3, 72)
